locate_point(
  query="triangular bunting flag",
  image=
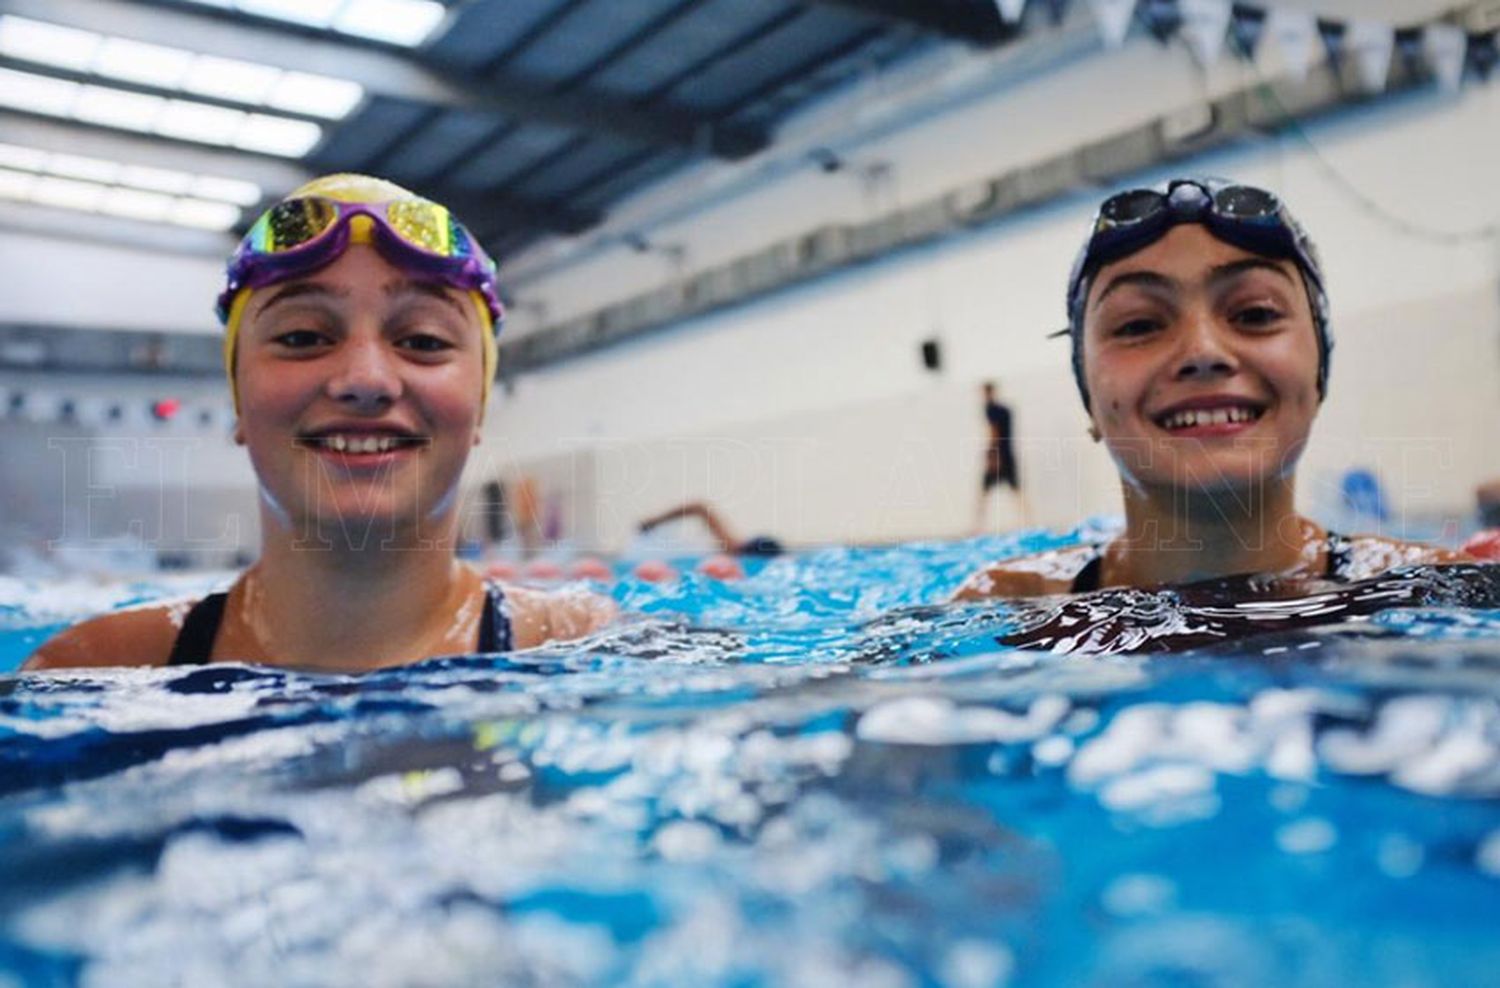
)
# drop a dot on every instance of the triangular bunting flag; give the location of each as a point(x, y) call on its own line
point(1371, 44)
point(1444, 47)
point(1296, 34)
point(1332, 33)
point(1011, 10)
point(1482, 54)
point(1114, 20)
point(1161, 17)
point(1204, 25)
point(1247, 25)
point(1409, 48)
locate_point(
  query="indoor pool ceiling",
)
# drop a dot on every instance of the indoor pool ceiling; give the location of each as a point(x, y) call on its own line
point(530, 117)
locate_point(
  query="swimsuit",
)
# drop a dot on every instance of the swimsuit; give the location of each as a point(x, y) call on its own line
point(195, 642)
point(1340, 563)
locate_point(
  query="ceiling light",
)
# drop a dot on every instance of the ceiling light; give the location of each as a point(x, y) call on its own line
point(227, 190)
point(36, 93)
point(278, 135)
point(151, 65)
point(314, 12)
point(230, 78)
point(47, 44)
point(77, 166)
point(66, 192)
point(190, 121)
point(400, 22)
point(316, 95)
point(25, 159)
point(204, 215)
point(117, 108)
point(134, 204)
point(156, 179)
point(16, 185)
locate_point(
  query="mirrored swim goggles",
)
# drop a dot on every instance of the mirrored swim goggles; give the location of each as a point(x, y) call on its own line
point(1249, 218)
point(300, 235)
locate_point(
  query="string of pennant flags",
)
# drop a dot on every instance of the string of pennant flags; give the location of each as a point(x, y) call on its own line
point(1303, 38)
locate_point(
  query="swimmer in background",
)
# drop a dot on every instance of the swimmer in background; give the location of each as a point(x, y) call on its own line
point(1200, 347)
point(360, 349)
point(760, 545)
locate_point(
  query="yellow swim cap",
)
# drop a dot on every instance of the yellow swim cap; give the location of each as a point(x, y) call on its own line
point(350, 187)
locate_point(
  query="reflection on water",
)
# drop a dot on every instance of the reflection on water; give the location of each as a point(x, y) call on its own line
point(811, 777)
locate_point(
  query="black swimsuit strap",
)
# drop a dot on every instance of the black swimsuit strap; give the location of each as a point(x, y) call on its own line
point(195, 642)
point(1340, 562)
point(1340, 556)
point(1087, 579)
point(495, 634)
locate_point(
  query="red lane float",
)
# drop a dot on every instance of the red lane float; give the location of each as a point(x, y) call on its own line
point(589, 568)
point(655, 571)
point(1484, 545)
point(722, 567)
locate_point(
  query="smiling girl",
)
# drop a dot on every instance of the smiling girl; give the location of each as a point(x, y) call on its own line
point(1199, 327)
point(360, 346)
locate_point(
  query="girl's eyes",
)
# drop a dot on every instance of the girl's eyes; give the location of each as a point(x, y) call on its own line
point(1136, 327)
point(425, 343)
point(1259, 316)
point(300, 339)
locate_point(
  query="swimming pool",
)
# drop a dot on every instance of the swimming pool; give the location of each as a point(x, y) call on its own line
point(809, 777)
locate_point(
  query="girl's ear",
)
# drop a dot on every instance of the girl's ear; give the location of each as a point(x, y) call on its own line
point(1094, 432)
point(239, 433)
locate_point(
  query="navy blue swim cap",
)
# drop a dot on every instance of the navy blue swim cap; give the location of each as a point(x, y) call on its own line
point(1243, 215)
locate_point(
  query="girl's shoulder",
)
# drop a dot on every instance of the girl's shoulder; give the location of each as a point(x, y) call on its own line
point(142, 635)
point(1035, 575)
point(539, 616)
point(1371, 555)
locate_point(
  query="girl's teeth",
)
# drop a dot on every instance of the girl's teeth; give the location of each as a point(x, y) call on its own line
point(357, 444)
point(1206, 416)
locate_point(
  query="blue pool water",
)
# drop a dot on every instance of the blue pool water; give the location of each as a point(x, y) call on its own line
point(811, 777)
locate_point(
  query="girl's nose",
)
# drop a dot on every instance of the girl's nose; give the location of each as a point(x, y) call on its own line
point(1204, 352)
point(367, 378)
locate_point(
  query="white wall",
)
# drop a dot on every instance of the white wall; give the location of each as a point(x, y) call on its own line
point(1416, 377)
point(54, 280)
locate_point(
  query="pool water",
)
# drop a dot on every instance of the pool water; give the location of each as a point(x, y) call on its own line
point(810, 777)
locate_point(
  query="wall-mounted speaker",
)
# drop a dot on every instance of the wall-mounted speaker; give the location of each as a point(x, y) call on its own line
point(932, 355)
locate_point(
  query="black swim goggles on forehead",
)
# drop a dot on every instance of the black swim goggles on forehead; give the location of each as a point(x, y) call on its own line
point(1242, 215)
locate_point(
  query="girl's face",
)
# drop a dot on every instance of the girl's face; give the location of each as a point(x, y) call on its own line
point(360, 397)
point(1202, 361)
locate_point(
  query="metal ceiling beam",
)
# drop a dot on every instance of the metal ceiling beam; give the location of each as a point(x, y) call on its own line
point(974, 21)
point(384, 72)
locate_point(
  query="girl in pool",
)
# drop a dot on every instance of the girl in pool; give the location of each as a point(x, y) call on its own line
point(360, 346)
point(1200, 347)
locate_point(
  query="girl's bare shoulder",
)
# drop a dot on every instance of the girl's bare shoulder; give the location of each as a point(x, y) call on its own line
point(135, 636)
point(1036, 575)
point(1371, 555)
point(541, 616)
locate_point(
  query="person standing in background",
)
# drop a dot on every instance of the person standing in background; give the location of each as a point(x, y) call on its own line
point(999, 456)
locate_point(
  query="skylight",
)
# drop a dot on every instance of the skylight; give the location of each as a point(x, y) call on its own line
point(183, 119)
point(246, 83)
point(407, 23)
point(400, 22)
point(49, 44)
point(153, 195)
